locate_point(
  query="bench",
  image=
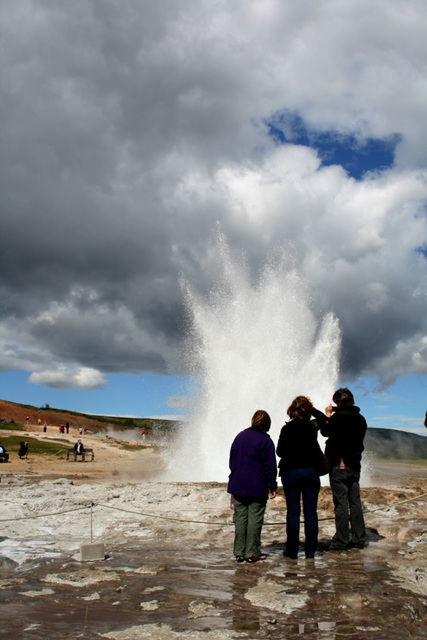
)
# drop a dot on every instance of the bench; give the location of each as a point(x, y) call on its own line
point(70, 452)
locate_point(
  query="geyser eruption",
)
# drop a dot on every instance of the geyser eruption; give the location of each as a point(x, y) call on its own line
point(252, 346)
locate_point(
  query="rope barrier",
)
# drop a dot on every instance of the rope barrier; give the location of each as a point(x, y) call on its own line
point(156, 515)
point(214, 524)
point(421, 495)
point(161, 517)
point(45, 515)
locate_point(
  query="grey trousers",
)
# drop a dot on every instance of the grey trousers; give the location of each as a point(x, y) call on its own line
point(346, 495)
point(248, 520)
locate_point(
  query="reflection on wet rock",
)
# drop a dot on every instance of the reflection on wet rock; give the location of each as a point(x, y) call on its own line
point(279, 596)
point(169, 580)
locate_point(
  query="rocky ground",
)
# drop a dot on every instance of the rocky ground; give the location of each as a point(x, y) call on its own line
point(169, 572)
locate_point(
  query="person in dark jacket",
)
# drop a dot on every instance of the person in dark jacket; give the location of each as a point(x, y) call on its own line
point(345, 429)
point(300, 458)
point(23, 450)
point(79, 450)
point(252, 480)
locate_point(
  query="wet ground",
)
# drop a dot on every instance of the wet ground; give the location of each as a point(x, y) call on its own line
point(166, 580)
point(176, 592)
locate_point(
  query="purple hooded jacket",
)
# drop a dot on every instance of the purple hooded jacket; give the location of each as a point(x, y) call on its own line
point(252, 464)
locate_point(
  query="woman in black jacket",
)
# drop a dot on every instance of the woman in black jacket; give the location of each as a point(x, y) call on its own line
point(300, 458)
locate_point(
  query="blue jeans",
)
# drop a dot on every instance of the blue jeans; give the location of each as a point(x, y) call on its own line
point(306, 483)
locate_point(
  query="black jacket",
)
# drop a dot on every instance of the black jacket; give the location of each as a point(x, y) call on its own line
point(345, 431)
point(298, 447)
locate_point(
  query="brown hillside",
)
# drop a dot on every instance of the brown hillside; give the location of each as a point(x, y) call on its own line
point(9, 411)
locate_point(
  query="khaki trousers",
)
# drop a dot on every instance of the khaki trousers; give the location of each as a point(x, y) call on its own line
point(248, 520)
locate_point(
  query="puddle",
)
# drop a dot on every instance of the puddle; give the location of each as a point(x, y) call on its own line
point(176, 583)
point(344, 595)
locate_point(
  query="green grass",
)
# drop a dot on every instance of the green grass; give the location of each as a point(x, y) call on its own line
point(36, 447)
point(403, 458)
point(49, 446)
point(127, 446)
point(131, 447)
point(149, 424)
point(11, 426)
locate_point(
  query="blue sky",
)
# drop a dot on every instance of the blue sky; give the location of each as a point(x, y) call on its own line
point(143, 396)
point(130, 133)
point(402, 406)
point(356, 156)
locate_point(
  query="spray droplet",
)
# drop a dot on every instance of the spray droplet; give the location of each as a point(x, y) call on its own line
point(254, 345)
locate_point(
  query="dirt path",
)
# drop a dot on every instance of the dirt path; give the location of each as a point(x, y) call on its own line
point(111, 459)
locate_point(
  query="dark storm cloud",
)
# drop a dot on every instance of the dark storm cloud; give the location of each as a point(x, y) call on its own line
point(130, 128)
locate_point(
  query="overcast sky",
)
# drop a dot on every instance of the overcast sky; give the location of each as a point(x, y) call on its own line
point(131, 128)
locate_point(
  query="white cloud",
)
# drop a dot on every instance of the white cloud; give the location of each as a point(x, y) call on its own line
point(129, 129)
point(69, 377)
point(406, 357)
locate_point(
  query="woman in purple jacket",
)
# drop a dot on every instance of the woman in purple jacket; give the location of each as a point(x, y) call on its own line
point(252, 480)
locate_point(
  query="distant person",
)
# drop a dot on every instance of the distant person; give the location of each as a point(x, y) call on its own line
point(80, 431)
point(27, 420)
point(39, 422)
point(79, 450)
point(23, 450)
point(425, 420)
point(345, 429)
point(67, 427)
point(4, 456)
point(251, 482)
point(45, 426)
point(300, 460)
point(143, 436)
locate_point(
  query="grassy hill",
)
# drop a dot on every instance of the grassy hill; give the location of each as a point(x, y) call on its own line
point(384, 443)
point(396, 445)
point(12, 412)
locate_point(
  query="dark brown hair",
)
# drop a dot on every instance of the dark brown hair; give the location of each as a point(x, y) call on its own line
point(261, 420)
point(301, 407)
point(343, 397)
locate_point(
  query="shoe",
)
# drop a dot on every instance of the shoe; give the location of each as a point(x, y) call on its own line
point(240, 559)
point(336, 547)
point(309, 555)
point(290, 555)
point(253, 559)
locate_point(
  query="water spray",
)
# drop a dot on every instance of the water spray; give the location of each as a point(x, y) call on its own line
point(253, 345)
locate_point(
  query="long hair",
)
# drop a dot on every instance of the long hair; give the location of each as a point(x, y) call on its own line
point(301, 407)
point(261, 420)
